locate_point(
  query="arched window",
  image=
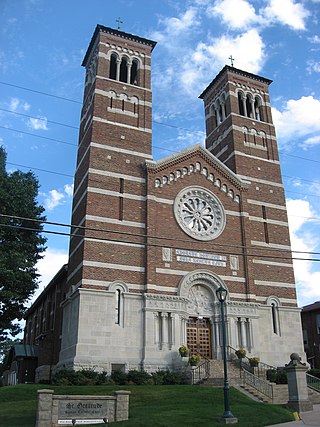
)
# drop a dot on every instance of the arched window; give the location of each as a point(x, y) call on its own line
point(134, 73)
point(245, 134)
point(257, 105)
point(241, 103)
point(113, 67)
point(124, 70)
point(118, 306)
point(249, 106)
point(274, 303)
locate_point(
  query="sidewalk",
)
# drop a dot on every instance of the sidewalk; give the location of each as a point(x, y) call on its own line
point(307, 419)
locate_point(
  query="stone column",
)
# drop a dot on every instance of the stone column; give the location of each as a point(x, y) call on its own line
point(297, 385)
point(118, 69)
point(165, 329)
point(122, 405)
point(44, 410)
point(243, 333)
point(156, 328)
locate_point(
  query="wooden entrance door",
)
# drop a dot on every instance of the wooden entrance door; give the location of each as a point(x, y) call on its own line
point(199, 336)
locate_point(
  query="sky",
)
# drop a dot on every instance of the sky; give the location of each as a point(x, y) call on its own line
point(42, 44)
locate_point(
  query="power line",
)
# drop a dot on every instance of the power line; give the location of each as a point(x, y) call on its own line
point(37, 136)
point(44, 119)
point(148, 244)
point(41, 93)
point(41, 170)
point(126, 233)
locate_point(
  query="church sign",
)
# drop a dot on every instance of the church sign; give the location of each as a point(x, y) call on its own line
point(56, 410)
point(201, 258)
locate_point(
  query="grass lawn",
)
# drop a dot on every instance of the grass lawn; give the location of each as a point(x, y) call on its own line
point(155, 406)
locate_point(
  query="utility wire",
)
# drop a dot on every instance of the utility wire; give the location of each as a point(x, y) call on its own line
point(41, 93)
point(148, 244)
point(126, 233)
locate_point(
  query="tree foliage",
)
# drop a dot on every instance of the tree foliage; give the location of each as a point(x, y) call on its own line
point(21, 244)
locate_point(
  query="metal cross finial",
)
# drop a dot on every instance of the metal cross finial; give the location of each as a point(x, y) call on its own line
point(119, 22)
point(231, 59)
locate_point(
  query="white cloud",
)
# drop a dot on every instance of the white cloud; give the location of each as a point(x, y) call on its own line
point(16, 104)
point(287, 12)
point(235, 13)
point(314, 39)
point(313, 66)
point(48, 267)
point(312, 141)
point(68, 188)
point(300, 215)
point(37, 123)
point(299, 117)
point(174, 27)
point(53, 200)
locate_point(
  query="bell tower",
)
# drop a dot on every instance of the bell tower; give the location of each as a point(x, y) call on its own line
point(110, 187)
point(241, 134)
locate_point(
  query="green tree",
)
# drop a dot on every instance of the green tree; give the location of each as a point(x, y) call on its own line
point(21, 244)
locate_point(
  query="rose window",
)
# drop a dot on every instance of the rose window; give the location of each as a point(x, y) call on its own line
point(199, 213)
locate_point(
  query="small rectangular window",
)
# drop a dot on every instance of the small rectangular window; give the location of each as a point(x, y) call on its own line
point(318, 323)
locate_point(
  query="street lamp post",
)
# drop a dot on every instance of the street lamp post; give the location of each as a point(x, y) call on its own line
point(227, 417)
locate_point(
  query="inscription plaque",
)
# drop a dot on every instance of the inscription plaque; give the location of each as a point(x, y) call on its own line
point(85, 409)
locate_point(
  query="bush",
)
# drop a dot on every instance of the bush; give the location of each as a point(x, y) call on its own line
point(169, 377)
point(139, 377)
point(83, 377)
point(278, 376)
point(119, 377)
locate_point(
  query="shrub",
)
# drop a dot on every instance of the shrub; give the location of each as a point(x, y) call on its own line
point(83, 377)
point(139, 377)
point(278, 376)
point(169, 377)
point(119, 377)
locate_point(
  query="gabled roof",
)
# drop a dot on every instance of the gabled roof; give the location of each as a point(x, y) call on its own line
point(118, 33)
point(187, 153)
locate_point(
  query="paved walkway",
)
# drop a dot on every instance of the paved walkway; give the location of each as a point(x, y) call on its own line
point(307, 419)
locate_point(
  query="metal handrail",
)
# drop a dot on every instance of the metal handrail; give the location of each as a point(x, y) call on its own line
point(313, 382)
point(200, 371)
point(262, 386)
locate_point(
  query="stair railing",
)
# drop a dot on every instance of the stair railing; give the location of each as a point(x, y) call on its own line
point(313, 382)
point(200, 371)
point(259, 384)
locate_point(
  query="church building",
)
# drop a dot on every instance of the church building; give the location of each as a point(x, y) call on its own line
point(152, 241)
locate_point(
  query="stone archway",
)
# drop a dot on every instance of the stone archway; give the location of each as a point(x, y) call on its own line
point(203, 315)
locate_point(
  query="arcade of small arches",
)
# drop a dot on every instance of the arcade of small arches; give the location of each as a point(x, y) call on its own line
point(252, 136)
point(121, 101)
point(249, 106)
point(185, 171)
point(124, 69)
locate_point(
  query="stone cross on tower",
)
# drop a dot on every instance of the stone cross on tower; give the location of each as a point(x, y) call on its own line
point(119, 22)
point(231, 59)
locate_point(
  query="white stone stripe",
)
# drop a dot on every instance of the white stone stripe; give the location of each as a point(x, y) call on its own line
point(271, 245)
point(76, 248)
point(75, 271)
point(224, 149)
point(79, 201)
point(269, 221)
point(261, 181)
point(99, 119)
point(241, 296)
point(106, 265)
point(106, 283)
point(106, 93)
point(275, 284)
point(115, 221)
point(160, 200)
point(108, 242)
point(116, 175)
point(80, 183)
point(282, 300)
point(184, 272)
point(267, 205)
point(162, 288)
point(239, 153)
point(279, 264)
point(120, 150)
point(146, 67)
point(116, 194)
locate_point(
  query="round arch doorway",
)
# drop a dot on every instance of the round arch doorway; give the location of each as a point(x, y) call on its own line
point(202, 333)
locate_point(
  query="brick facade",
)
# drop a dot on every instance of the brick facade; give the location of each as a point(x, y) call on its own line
point(155, 239)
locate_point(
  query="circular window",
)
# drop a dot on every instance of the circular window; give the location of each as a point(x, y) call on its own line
point(199, 213)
